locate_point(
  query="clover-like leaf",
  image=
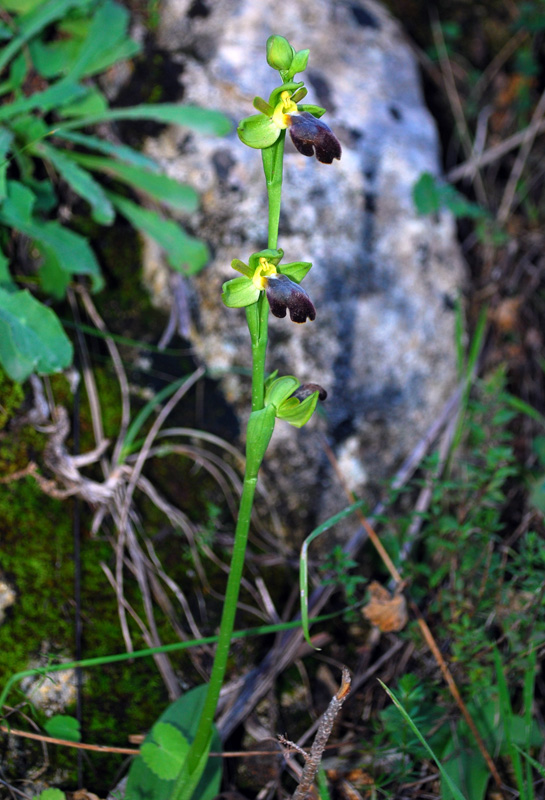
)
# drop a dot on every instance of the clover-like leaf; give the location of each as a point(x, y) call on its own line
point(166, 755)
point(61, 726)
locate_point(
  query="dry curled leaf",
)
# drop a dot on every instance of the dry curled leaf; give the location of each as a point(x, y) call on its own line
point(388, 612)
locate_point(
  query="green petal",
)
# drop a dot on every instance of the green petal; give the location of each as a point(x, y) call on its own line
point(239, 293)
point(261, 105)
point(280, 389)
point(273, 256)
point(296, 271)
point(299, 414)
point(316, 111)
point(240, 266)
point(258, 131)
point(290, 87)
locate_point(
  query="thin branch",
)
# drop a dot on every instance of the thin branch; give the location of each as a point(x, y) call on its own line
point(325, 726)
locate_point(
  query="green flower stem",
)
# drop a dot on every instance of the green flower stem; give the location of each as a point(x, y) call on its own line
point(259, 431)
point(273, 166)
point(204, 731)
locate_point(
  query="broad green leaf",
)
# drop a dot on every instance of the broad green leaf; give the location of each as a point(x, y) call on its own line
point(6, 138)
point(51, 794)
point(185, 253)
point(61, 726)
point(41, 15)
point(50, 59)
point(466, 769)
point(426, 194)
point(81, 182)
point(202, 120)
point(72, 251)
point(166, 754)
point(184, 714)
point(162, 188)
point(31, 337)
point(92, 103)
point(54, 280)
point(6, 281)
point(120, 151)
point(56, 95)
point(106, 41)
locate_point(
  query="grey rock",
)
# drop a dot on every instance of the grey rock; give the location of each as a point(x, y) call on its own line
point(384, 278)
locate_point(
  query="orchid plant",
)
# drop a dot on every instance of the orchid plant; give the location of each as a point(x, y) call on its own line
point(266, 285)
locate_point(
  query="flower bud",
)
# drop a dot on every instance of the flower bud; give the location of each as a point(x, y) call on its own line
point(279, 52)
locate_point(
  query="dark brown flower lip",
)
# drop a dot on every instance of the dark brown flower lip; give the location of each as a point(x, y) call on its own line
point(284, 295)
point(306, 389)
point(312, 137)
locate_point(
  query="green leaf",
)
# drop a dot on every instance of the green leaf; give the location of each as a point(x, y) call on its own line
point(258, 131)
point(32, 23)
point(72, 251)
point(63, 91)
point(6, 138)
point(61, 726)
point(51, 794)
point(6, 281)
point(54, 280)
point(452, 787)
point(106, 41)
point(185, 253)
point(239, 293)
point(91, 103)
point(31, 337)
point(184, 714)
point(202, 120)
point(166, 754)
point(303, 562)
point(81, 182)
point(119, 151)
point(426, 194)
point(162, 188)
point(258, 435)
point(466, 767)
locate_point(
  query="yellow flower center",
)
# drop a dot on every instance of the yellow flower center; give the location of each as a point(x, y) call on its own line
point(285, 107)
point(263, 271)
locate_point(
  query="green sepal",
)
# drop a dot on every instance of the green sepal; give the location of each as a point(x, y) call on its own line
point(280, 389)
point(290, 87)
point(273, 256)
point(258, 131)
point(269, 380)
point(240, 266)
point(297, 413)
point(258, 436)
point(298, 64)
point(239, 293)
point(295, 271)
point(316, 111)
